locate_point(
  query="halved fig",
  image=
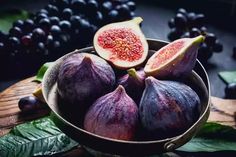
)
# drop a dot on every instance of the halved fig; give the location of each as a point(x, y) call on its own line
point(176, 59)
point(122, 43)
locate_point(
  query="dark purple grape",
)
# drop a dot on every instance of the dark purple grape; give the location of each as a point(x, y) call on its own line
point(194, 32)
point(15, 31)
point(40, 47)
point(131, 5)
point(43, 11)
point(2, 47)
point(234, 52)
point(29, 104)
point(204, 53)
point(191, 18)
point(49, 39)
point(98, 18)
point(14, 42)
point(67, 13)
point(174, 34)
point(55, 30)
point(230, 91)
point(52, 10)
point(54, 20)
point(182, 11)
point(38, 35)
point(107, 7)
point(113, 15)
point(84, 24)
point(210, 39)
point(186, 35)
point(28, 26)
point(218, 47)
point(203, 30)
point(92, 5)
point(78, 5)
point(132, 13)
point(65, 26)
point(18, 23)
point(56, 45)
point(171, 23)
point(75, 21)
point(26, 40)
point(45, 24)
point(199, 20)
point(40, 16)
point(180, 21)
point(124, 11)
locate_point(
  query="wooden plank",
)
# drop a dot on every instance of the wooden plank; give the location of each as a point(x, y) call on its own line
point(10, 114)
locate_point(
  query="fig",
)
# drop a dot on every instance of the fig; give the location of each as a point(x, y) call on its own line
point(122, 43)
point(174, 60)
point(83, 78)
point(114, 115)
point(133, 82)
point(167, 108)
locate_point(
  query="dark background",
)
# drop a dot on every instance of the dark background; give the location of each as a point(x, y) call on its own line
point(221, 20)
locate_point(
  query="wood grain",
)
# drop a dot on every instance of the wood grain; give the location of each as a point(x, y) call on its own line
point(10, 114)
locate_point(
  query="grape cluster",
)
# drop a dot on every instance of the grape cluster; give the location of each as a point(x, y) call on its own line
point(60, 27)
point(189, 24)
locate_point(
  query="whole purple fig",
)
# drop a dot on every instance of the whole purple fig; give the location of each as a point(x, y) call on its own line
point(83, 78)
point(133, 82)
point(114, 115)
point(167, 108)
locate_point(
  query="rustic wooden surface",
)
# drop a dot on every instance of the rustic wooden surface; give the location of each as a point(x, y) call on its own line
point(222, 111)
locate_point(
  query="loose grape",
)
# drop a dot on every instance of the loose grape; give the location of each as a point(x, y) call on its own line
point(230, 91)
point(29, 104)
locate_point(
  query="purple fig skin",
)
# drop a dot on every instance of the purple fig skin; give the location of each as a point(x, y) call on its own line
point(181, 69)
point(83, 78)
point(167, 108)
point(114, 115)
point(134, 83)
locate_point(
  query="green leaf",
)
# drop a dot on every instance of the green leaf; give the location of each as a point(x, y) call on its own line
point(39, 137)
point(228, 76)
point(9, 16)
point(42, 70)
point(211, 138)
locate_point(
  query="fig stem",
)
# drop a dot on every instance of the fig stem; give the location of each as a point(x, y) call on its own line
point(87, 60)
point(199, 39)
point(137, 20)
point(133, 73)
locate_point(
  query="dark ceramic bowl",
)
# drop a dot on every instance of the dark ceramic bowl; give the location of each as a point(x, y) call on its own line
point(198, 80)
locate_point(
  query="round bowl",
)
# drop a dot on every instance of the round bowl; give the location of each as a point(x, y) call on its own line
point(198, 80)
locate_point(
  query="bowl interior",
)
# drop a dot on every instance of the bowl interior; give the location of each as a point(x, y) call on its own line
point(198, 80)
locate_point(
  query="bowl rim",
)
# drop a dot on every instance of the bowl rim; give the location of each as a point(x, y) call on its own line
point(168, 140)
